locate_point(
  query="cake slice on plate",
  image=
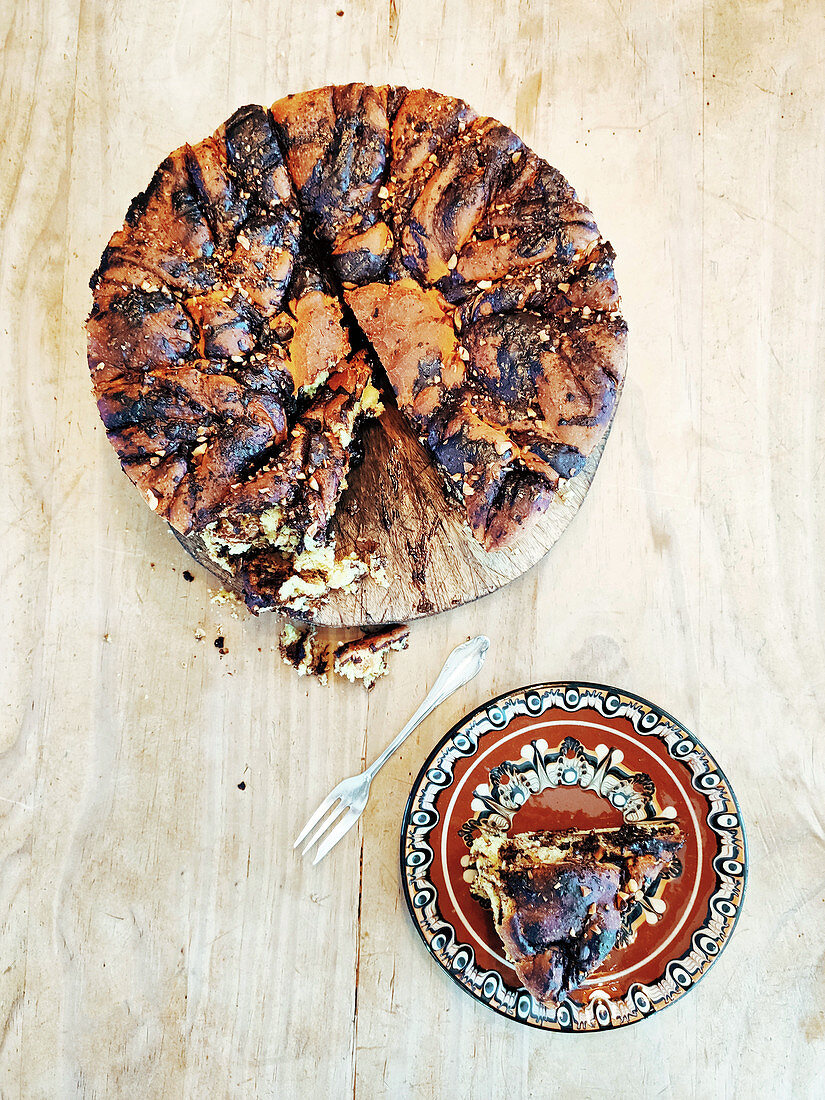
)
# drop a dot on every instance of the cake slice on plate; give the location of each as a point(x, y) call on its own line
point(558, 898)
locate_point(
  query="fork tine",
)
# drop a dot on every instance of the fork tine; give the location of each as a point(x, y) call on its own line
point(325, 824)
point(340, 829)
point(316, 817)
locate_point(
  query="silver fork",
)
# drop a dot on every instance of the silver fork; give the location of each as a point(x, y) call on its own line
point(351, 794)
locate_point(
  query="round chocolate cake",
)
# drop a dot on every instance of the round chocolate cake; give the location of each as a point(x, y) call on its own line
point(281, 282)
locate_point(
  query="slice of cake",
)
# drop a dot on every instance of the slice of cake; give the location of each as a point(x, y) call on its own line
point(558, 898)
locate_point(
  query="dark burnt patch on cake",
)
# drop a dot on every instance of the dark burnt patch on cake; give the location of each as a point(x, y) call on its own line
point(255, 159)
point(166, 234)
point(506, 352)
point(520, 500)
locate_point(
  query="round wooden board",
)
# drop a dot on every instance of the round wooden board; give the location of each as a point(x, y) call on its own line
point(396, 504)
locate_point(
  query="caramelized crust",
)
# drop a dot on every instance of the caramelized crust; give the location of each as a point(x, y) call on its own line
point(227, 308)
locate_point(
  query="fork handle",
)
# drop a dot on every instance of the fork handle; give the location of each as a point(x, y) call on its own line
point(461, 666)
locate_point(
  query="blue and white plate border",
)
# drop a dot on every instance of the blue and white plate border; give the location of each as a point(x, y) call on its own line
point(730, 861)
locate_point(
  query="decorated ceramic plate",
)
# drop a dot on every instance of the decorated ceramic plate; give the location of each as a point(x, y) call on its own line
point(575, 755)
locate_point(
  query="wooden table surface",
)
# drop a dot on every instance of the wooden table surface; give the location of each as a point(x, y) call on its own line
point(158, 937)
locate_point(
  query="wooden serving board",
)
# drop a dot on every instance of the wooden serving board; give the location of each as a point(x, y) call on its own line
point(396, 504)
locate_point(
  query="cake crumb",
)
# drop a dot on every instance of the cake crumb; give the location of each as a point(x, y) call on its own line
point(365, 658)
point(223, 596)
point(314, 652)
point(302, 649)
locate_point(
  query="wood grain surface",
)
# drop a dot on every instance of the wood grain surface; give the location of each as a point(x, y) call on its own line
point(158, 936)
